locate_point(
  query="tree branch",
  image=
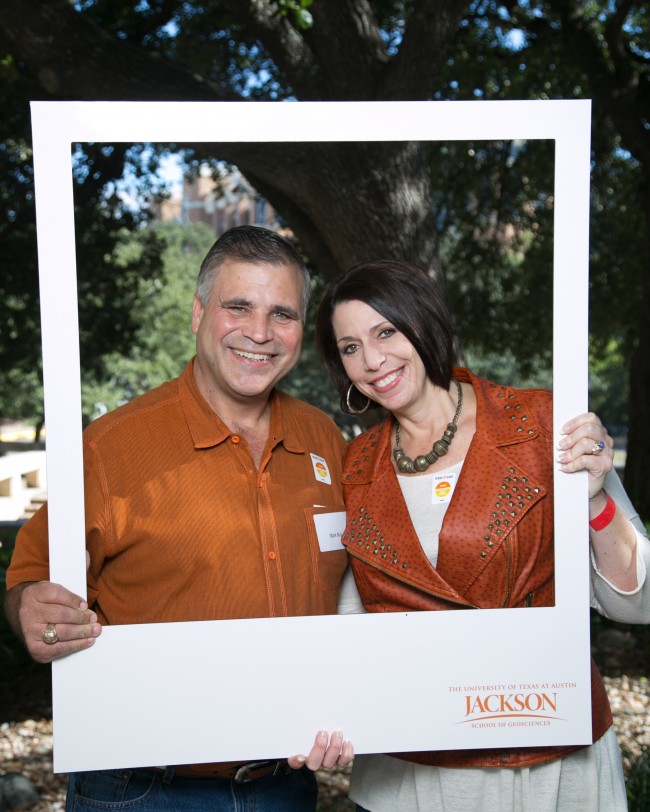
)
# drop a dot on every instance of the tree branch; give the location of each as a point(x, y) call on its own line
point(430, 30)
point(350, 50)
point(615, 82)
point(73, 57)
point(282, 42)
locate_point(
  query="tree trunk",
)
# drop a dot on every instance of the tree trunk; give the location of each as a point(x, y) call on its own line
point(347, 202)
point(344, 202)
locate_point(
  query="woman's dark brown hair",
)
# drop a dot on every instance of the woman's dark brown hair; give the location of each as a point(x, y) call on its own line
point(405, 296)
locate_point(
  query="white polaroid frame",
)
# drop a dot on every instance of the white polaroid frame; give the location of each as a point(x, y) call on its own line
point(246, 689)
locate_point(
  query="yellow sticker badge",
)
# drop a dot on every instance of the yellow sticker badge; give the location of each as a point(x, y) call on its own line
point(321, 471)
point(443, 487)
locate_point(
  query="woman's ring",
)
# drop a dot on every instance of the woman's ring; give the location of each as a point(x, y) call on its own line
point(597, 447)
point(49, 634)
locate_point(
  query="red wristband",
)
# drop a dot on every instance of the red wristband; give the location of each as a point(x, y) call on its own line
point(603, 519)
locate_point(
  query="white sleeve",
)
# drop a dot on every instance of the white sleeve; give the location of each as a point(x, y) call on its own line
point(349, 598)
point(624, 607)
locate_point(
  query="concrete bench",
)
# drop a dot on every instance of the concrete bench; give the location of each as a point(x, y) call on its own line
point(22, 476)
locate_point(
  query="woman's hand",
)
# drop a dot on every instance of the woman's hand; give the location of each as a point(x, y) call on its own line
point(586, 446)
point(326, 752)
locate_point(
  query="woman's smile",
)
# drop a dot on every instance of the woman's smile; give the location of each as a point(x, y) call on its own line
point(382, 384)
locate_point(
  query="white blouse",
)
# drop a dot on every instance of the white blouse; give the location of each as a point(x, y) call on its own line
point(588, 779)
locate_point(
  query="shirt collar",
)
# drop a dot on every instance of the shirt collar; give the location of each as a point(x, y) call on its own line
point(503, 414)
point(207, 429)
point(285, 426)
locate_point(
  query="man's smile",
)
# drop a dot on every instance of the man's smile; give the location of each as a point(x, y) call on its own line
point(254, 356)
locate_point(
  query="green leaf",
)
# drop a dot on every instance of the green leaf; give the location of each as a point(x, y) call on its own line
point(303, 19)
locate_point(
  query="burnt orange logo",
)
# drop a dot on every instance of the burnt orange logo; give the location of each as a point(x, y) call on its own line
point(520, 709)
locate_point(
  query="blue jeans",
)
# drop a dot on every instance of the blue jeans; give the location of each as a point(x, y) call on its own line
point(143, 790)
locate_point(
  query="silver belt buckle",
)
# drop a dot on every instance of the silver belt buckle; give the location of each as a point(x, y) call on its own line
point(242, 772)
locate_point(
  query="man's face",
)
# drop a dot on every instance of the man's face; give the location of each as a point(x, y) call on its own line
point(248, 335)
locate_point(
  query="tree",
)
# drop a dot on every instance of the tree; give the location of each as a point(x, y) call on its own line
point(108, 286)
point(162, 343)
point(19, 317)
point(362, 50)
point(495, 223)
point(114, 50)
point(209, 51)
point(602, 50)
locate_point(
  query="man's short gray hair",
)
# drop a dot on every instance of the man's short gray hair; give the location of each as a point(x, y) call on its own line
point(251, 244)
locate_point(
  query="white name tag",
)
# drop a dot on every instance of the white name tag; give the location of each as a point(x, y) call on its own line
point(443, 488)
point(329, 529)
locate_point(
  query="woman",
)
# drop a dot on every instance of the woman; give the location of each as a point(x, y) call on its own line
point(386, 339)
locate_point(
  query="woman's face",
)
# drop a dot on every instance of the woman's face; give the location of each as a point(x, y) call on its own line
point(379, 360)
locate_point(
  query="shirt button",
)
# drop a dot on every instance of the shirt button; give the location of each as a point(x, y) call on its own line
point(272, 555)
point(235, 438)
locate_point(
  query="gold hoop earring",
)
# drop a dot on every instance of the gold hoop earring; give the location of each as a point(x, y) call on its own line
point(351, 409)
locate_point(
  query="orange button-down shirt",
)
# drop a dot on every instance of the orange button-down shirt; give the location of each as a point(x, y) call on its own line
point(181, 525)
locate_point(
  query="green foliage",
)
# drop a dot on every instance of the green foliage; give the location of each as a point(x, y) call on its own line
point(162, 342)
point(206, 38)
point(308, 380)
point(528, 51)
point(297, 11)
point(616, 272)
point(638, 783)
point(493, 201)
point(504, 367)
point(108, 283)
point(19, 307)
point(608, 385)
point(109, 280)
point(495, 207)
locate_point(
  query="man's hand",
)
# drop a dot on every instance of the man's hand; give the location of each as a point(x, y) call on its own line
point(335, 752)
point(32, 607)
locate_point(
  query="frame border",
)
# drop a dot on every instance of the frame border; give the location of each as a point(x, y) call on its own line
point(248, 689)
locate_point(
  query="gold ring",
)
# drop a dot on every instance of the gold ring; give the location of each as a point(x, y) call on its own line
point(597, 447)
point(49, 634)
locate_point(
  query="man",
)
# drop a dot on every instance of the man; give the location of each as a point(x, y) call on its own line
point(200, 499)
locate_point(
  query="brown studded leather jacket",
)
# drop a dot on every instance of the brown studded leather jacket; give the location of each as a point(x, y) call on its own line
point(496, 542)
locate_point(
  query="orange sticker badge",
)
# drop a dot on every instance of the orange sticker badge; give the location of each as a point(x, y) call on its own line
point(321, 471)
point(443, 487)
